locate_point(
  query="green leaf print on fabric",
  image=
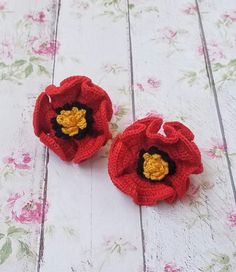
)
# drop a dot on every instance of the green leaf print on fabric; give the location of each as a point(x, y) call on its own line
point(16, 232)
point(22, 69)
point(5, 250)
point(25, 251)
point(219, 263)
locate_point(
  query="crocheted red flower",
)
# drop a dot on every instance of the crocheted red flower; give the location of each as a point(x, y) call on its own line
point(150, 166)
point(72, 119)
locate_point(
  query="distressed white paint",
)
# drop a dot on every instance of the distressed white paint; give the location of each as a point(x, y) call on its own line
point(185, 234)
point(82, 198)
point(19, 86)
point(220, 31)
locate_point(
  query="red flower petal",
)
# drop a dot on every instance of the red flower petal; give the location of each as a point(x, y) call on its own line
point(143, 192)
point(154, 126)
point(64, 149)
point(101, 121)
point(122, 169)
point(92, 95)
point(43, 113)
point(152, 196)
point(186, 152)
point(133, 137)
point(180, 180)
point(68, 91)
point(79, 88)
point(87, 147)
point(181, 129)
point(121, 159)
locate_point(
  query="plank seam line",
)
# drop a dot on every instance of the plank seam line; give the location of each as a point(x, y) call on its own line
point(213, 88)
point(45, 181)
point(131, 62)
point(55, 35)
point(134, 118)
point(46, 161)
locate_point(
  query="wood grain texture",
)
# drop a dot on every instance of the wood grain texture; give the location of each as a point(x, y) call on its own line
point(24, 71)
point(165, 57)
point(93, 226)
point(219, 30)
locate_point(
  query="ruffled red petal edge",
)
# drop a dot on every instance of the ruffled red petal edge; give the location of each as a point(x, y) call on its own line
point(145, 193)
point(75, 151)
point(42, 106)
point(67, 84)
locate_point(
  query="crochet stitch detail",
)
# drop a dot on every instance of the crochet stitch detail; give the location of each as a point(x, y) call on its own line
point(73, 119)
point(131, 148)
point(154, 167)
point(171, 167)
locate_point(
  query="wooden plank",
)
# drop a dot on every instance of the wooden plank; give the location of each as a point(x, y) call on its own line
point(219, 29)
point(170, 80)
point(90, 225)
point(218, 25)
point(25, 68)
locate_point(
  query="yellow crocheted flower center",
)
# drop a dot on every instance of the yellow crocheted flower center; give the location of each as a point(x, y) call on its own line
point(154, 167)
point(72, 121)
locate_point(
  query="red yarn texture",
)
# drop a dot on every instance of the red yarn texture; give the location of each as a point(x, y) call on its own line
point(73, 89)
point(177, 143)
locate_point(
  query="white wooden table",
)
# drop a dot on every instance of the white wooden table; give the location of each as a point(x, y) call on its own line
point(168, 57)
